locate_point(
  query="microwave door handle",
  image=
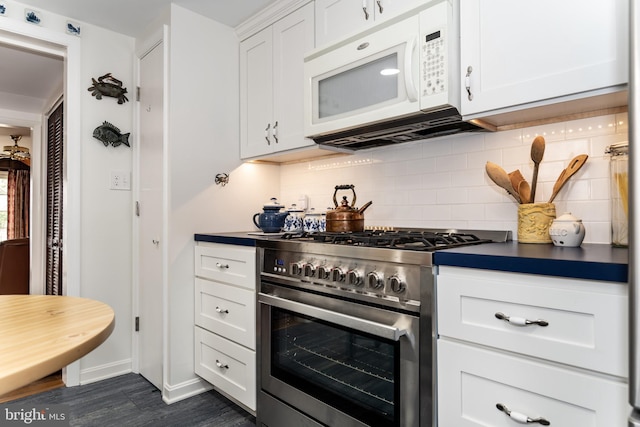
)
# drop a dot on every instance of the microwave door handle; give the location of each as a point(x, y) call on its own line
point(409, 83)
point(374, 328)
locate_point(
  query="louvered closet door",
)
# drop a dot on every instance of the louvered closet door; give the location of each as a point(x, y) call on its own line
point(54, 202)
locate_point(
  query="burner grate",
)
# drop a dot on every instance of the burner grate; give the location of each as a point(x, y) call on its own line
point(418, 240)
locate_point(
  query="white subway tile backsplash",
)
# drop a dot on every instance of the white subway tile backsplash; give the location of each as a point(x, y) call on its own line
point(442, 182)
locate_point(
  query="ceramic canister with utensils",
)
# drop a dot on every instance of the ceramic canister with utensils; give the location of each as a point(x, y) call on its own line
point(619, 169)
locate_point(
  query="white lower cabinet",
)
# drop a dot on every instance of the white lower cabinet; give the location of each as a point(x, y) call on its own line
point(230, 367)
point(515, 347)
point(473, 381)
point(225, 320)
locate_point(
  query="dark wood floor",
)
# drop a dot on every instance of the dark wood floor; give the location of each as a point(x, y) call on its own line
point(130, 400)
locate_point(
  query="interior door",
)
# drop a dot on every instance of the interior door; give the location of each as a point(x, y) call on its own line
point(55, 163)
point(151, 217)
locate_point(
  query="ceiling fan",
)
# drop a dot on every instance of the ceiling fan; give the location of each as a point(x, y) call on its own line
point(15, 151)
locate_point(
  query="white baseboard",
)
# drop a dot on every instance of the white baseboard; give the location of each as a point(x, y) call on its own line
point(174, 393)
point(102, 372)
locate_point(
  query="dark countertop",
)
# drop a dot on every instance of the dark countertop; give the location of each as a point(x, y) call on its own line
point(589, 261)
point(242, 238)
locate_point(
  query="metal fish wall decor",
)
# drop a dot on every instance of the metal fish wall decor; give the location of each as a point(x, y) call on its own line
point(109, 134)
point(108, 85)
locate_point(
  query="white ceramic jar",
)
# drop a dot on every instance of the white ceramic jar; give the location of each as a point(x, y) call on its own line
point(311, 221)
point(567, 230)
point(293, 221)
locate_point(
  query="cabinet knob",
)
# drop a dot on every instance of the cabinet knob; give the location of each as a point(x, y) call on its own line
point(220, 265)
point(221, 365)
point(222, 311)
point(522, 418)
point(520, 321)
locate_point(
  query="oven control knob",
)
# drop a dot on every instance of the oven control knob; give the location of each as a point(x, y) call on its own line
point(337, 275)
point(324, 272)
point(374, 280)
point(309, 270)
point(354, 278)
point(296, 268)
point(397, 285)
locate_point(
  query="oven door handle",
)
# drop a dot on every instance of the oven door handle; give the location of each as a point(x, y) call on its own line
point(374, 328)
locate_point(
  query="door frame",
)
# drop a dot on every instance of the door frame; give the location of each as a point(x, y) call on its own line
point(44, 40)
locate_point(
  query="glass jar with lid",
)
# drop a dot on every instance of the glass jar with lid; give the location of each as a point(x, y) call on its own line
point(619, 174)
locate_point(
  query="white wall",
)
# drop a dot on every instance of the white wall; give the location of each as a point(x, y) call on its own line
point(106, 226)
point(105, 215)
point(442, 182)
point(204, 135)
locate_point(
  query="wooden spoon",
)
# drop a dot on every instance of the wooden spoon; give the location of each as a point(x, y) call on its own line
point(501, 178)
point(574, 166)
point(537, 152)
point(525, 192)
point(517, 179)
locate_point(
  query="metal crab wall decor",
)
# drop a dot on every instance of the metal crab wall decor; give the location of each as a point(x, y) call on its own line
point(108, 85)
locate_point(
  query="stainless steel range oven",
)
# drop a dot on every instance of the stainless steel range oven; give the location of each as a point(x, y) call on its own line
point(346, 328)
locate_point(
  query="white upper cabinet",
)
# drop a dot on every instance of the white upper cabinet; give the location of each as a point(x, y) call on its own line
point(336, 19)
point(272, 83)
point(514, 53)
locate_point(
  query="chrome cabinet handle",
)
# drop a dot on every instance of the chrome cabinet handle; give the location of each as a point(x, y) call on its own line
point(266, 133)
point(520, 321)
point(364, 9)
point(222, 311)
point(221, 365)
point(379, 5)
point(219, 265)
point(467, 83)
point(521, 418)
point(275, 132)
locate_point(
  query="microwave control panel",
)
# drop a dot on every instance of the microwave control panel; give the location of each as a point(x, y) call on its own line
point(433, 64)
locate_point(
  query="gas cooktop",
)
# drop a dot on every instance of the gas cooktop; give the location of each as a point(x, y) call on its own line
point(406, 238)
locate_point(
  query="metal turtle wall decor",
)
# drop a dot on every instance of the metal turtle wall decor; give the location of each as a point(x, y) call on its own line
point(108, 85)
point(109, 134)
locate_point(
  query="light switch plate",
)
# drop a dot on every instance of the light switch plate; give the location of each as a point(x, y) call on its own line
point(120, 180)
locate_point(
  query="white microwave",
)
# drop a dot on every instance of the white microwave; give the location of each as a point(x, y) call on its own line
point(395, 82)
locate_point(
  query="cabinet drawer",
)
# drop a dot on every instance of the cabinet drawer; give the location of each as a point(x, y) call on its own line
point(227, 311)
point(231, 264)
point(472, 381)
point(587, 320)
point(227, 365)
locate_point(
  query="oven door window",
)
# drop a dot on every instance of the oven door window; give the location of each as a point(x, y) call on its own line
point(354, 372)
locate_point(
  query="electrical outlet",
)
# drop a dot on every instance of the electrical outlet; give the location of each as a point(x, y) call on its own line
point(120, 180)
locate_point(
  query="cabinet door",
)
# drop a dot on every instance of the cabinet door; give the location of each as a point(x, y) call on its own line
point(473, 381)
point(256, 94)
point(293, 36)
point(385, 9)
point(527, 51)
point(227, 311)
point(227, 365)
point(337, 18)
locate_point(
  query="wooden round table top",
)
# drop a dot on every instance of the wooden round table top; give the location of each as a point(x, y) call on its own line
point(41, 334)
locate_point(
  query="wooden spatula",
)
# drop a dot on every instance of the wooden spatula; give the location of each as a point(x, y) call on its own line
point(520, 185)
point(500, 177)
point(574, 166)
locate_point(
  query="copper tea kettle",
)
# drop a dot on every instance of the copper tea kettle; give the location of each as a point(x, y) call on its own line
point(346, 217)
